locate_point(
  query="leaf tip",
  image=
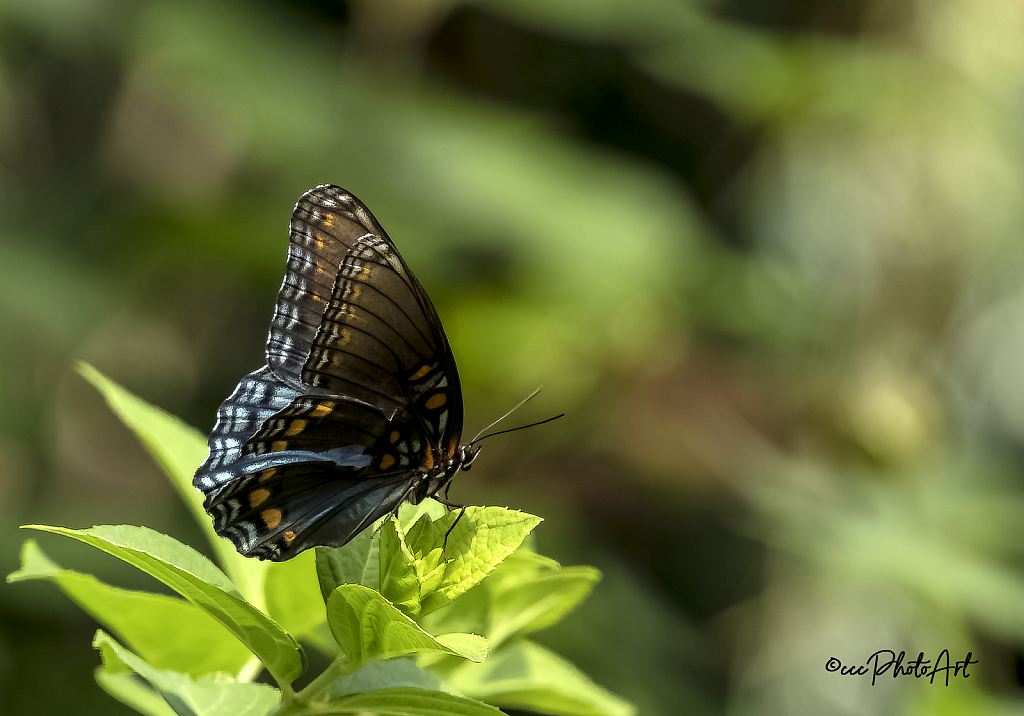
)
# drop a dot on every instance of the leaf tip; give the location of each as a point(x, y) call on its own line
point(87, 371)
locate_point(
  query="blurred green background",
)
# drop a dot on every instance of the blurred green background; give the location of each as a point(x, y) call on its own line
point(767, 255)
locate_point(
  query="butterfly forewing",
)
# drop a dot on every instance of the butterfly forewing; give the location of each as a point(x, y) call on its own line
point(355, 321)
point(359, 406)
point(324, 228)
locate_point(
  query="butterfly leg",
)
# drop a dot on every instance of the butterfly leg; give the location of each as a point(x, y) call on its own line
point(451, 506)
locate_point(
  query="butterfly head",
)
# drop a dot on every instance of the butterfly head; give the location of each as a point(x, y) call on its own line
point(465, 455)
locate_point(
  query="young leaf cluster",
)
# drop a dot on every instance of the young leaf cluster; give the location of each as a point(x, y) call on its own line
point(425, 615)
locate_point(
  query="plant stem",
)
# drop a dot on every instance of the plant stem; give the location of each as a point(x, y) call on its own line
point(298, 702)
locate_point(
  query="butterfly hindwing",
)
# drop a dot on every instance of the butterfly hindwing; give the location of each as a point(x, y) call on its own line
point(275, 513)
point(321, 469)
point(255, 400)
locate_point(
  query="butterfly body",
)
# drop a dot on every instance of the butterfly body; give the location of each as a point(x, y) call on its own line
point(359, 405)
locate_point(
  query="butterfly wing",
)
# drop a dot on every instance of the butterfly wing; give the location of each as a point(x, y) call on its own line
point(275, 515)
point(351, 319)
point(316, 472)
point(358, 404)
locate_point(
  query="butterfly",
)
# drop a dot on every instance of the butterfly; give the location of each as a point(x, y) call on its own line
point(359, 406)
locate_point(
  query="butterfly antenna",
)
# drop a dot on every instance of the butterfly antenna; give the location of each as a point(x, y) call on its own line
point(521, 427)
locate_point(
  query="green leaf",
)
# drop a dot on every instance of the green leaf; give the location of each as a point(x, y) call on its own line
point(408, 702)
point(176, 447)
point(524, 564)
point(129, 689)
point(409, 569)
point(367, 626)
point(477, 543)
point(409, 514)
point(198, 580)
point(168, 632)
point(469, 646)
point(422, 540)
point(386, 674)
point(215, 695)
point(293, 595)
point(524, 593)
point(529, 592)
point(179, 450)
point(471, 612)
point(355, 563)
point(528, 676)
point(406, 575)
point(155, 548)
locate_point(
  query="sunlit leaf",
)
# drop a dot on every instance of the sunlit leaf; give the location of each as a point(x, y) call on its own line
point(179, 450)
point(198, 580)
point(167, 632)
point(216, 695)
point(355, 563)
point(479, 542)
point(527, 676)
point(294, 601)
point(409, 702)
point(367, 626)
point(129, 689)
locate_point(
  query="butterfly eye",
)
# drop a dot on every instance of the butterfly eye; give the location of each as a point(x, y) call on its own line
point(468, 455)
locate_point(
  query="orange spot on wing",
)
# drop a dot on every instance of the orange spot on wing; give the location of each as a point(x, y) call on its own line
point(420, 373)
point(278, 445)
point(289, 537)
point(323, 409)
point(386, 462)
point(436, 401)
point(295, 428)
point(267, 474)
point(271, 518)
point(394, 436)
point(258, 497)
